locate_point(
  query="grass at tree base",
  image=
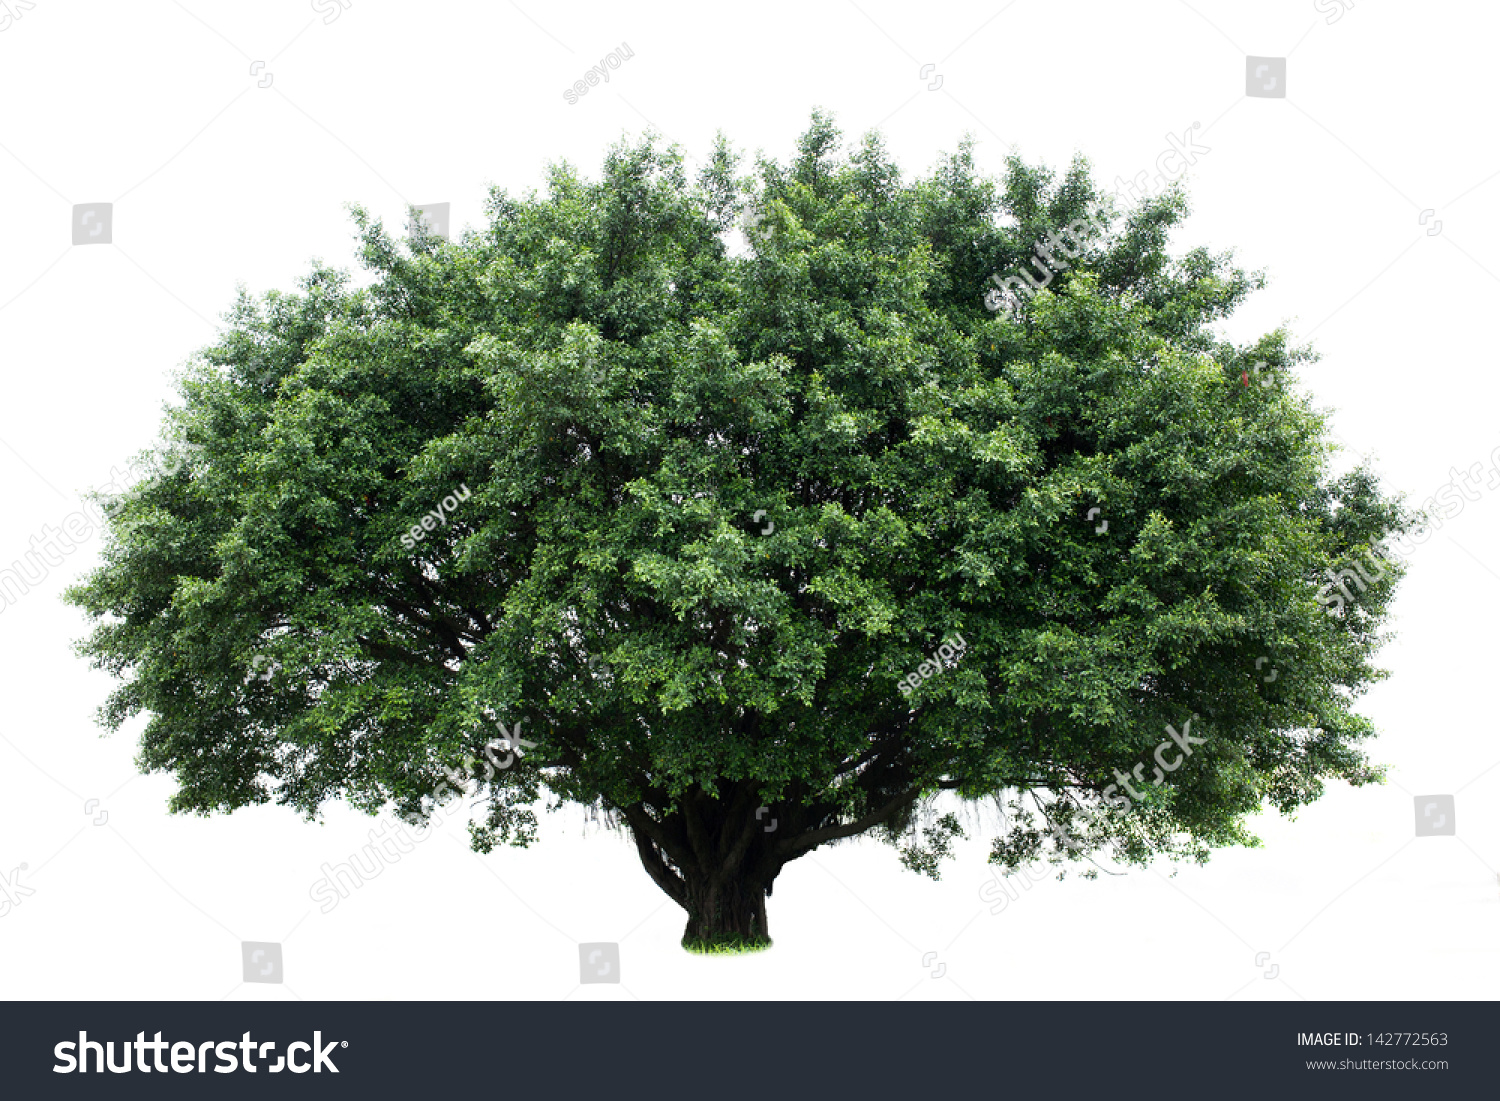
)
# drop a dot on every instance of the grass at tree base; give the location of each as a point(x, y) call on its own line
point(726, 946)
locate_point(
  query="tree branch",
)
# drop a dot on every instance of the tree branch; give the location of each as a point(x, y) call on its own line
point(793, 847)
point(671, 883)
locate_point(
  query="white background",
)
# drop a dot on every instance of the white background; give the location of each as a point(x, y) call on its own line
point(152, 106)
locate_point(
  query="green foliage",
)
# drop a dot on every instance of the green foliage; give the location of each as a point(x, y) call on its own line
point(927, 856)
point(623, 395)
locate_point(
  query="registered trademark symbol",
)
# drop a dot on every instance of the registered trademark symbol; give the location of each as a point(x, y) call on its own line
point(344, 1044)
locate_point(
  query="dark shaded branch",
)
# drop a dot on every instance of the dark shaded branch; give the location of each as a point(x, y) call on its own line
point(643, 824)
point(671, 883)
point(793, 847)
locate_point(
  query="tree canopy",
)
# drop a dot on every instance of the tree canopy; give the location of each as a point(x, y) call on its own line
point(698, 517)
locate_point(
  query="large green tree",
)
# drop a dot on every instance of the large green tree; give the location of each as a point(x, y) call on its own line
point(703, 512)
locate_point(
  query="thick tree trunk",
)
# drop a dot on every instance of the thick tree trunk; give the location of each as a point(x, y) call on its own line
point(714, 858)
point(716, 855)
point(726, 911)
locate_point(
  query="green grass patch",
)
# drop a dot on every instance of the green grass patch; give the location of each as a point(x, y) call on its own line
point(726, 946)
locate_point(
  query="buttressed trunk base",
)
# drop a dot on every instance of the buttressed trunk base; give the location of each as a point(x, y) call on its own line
point(726, 914)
